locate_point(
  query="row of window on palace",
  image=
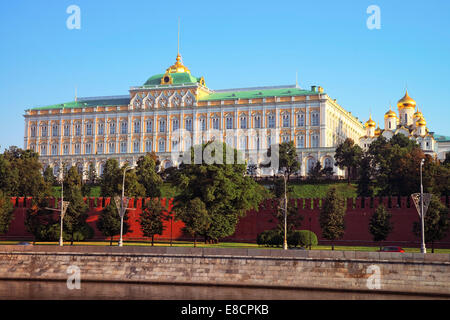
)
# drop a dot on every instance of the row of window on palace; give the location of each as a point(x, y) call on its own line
point(243, 124)
point(242, 144)
point(310, 164)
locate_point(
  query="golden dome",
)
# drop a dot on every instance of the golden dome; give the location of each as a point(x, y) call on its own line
point(406, 102)
point(390, 114)
point(421, 122)
point(418, 114)
point(370, 123)
point(178, 67)
point(378, 131)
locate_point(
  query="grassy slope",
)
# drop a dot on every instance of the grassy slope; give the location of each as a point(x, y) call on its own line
point(300, 190)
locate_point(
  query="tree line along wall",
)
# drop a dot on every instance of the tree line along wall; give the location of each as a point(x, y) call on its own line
point(359, 211)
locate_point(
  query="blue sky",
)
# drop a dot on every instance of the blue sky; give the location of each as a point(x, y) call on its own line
point(232, 44)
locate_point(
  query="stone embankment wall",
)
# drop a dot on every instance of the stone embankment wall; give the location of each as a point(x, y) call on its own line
point(339, 270)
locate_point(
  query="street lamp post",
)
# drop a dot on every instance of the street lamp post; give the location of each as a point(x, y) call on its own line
point(62, 211)
point(423, 249)
point(285, 245)
point(61, 242)
point(123, 207)
point(310, 231)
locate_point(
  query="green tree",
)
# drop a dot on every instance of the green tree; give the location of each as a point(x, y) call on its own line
point(380, 225)
point(395, 165)
point(447, 158)
point(111, 180)
point(316, 172)
point(152, 217)
point(108, 222)
point(24, 175)
point(348, 155)
point(287, 158)
point(252, 169)
point(366, 185)
point(436, 222)
point(148, 177)
point(8, 177)
point(74, 222)
point(40, 222)
point(49, 178)
point(224, 189)
point(196, 218)
point(332, 216)
point(90, 182)
point(132, 186)
point(6, 213)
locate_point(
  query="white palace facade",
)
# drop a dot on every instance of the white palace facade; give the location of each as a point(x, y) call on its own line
point(88, 131)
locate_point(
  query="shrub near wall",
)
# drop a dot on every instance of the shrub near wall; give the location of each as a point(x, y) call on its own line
point(302, 238)
point(297, 238)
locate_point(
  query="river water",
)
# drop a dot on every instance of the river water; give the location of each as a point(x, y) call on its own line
point(57, 290)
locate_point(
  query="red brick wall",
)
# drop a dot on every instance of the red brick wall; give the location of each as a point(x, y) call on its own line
point(359, 211)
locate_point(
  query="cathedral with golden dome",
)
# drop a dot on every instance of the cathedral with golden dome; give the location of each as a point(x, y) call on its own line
point(409, 121)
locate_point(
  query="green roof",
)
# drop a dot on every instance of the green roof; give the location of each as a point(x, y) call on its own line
point(441, 138)
point(85, 103)
point(255, 94)
point(177, 78)
point(180, 78)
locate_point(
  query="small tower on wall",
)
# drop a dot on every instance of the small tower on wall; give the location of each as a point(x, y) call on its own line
point(406, 107)
point(390, 120)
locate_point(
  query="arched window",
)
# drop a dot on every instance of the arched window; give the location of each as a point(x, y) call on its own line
point(124, 127)
point(229, 123)
point(300, 120)
point(162, 145)
point(88, 129)
point(315, 119)
point(286, 121)
point(112, 128)
point(257, 124)
point(328, 163)
point(149, 126)
point(175, 124)
point(202, 124)
point(300, 141)
point(137, 127)
point(101, 169)
point(310, 164)
point(167, 164)
point(215, 123)
point(271, 121)
point(136, 147)
point(100, 148)
point(123, 147)
point(243, 121)
point(162, 125)
point(112, 147)
point(188, 124)
point(54, 149)
point(175, 144)
point(148, 146)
